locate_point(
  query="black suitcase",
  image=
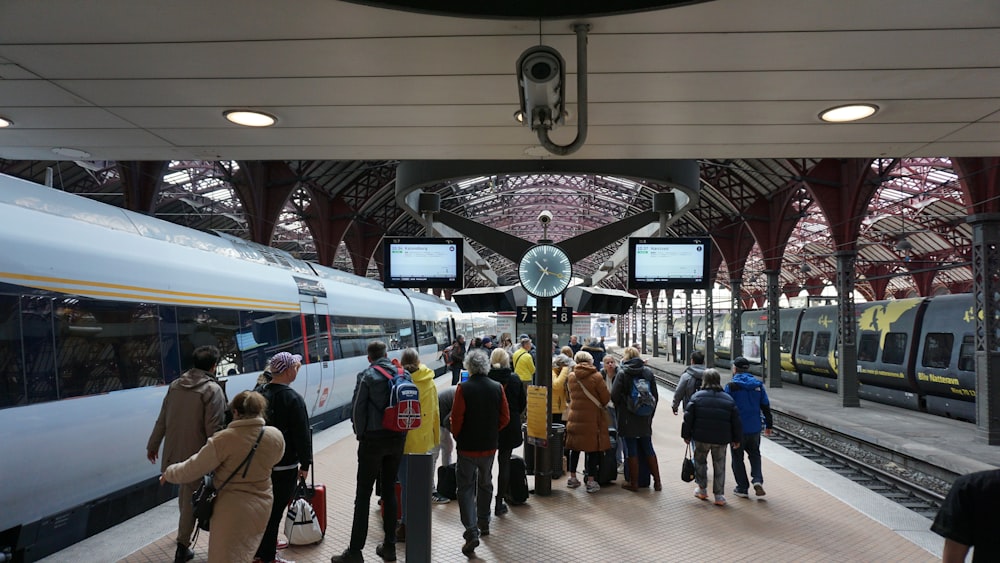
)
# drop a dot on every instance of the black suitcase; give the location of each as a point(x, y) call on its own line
point(447, 485)
point(518, 493)
point(608, 469)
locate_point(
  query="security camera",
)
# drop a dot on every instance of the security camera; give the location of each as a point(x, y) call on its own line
point(545, 217)
point(541, 77)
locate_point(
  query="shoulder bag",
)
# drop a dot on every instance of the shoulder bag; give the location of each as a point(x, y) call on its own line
point(204, 498)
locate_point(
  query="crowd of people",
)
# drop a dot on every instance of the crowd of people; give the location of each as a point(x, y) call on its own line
point(258, 446)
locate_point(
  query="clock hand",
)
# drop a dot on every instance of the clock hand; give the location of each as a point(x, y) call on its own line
point(537, 283)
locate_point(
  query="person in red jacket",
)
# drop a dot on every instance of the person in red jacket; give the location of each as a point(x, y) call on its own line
point(479, 412)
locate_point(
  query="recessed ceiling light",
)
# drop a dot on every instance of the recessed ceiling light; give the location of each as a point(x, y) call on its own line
point(4, 122)
point(849, 112)
point(250, 118)
point(71, 153)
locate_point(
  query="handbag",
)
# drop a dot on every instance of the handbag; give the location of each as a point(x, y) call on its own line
point(687, 466)
point(204, 497)
point(301, 525)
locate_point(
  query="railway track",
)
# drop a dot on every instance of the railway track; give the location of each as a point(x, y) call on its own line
point(909, 482)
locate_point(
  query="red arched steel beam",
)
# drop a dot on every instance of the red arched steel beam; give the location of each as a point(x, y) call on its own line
point(263, 188)
point(979, 179)
point(141, 181)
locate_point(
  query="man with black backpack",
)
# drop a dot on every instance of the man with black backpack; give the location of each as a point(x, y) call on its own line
point(380, 451)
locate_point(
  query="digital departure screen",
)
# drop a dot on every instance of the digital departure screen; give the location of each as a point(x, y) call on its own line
point(423, 262)
point(668, 263)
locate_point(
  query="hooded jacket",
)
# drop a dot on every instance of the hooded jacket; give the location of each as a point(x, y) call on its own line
point(630, 424)
point(423, 438)
point(559, 395)
point(751, 399)
point(712, 418)
point(688, 385)
point(193, 409)
point(517, 402)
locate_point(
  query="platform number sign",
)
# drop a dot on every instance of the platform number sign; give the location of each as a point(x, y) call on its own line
point(525, 314)
point(564, 315)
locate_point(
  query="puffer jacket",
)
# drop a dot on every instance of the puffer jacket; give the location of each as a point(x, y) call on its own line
point(586, 430)
point(751, 400)
point(630, 424)
point(243, 507)
point(423, 438)
point(712, 418)
point(689, 384)
point(517, 402)
point(193, 409)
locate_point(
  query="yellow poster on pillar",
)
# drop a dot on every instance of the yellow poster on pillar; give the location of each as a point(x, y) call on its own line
point(538, 402)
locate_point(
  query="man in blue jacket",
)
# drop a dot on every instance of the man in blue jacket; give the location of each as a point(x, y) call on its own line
point(751, 399)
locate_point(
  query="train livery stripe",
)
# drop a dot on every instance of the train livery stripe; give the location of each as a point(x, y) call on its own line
point(154, 295)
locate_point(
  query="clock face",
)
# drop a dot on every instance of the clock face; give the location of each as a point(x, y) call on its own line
point(545, 271)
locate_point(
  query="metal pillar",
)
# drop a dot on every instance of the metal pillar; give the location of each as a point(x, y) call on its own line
point(642, 328)
point(847, 344)
point(656, 326)
point(687, 348)
point(736, 310)
point(986, 292)
point(670, 326)
point(772, 363)
point(419, 484)
point(543, 377)
point(709, 329)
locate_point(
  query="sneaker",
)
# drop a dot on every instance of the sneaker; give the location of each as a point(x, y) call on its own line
point(470, 546)
point(758, 488)
point(183, 554)
point(279, 559)
point(621, 468)
point(720, 500)
point(439, 499)
point(701, 493)
point(348, 556)
point(484, 530)
point(387, 551)
point(282, 544)
point(593, 486)
point(501, 509)
point(401, 532)
point(741, 494)
point(572, 482)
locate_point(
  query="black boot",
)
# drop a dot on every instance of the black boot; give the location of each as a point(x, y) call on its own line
point(183, 554)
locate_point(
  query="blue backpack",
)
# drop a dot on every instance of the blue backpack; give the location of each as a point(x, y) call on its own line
point(403, 411)
point(641, 400)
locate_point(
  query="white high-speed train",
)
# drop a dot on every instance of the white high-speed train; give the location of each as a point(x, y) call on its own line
point(101, 307)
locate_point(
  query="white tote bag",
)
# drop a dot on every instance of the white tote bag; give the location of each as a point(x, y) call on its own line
point(301, 525)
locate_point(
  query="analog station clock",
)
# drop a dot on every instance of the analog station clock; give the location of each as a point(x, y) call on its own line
point(545, 271)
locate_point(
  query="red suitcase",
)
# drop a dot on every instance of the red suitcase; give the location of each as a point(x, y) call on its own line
point(316, 495)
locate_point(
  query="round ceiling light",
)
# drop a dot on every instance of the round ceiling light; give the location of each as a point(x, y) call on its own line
point(250, 118)
point(4, 122)
point(849, 112)
point(71, 153)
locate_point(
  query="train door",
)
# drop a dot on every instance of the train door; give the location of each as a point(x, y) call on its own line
point(315, 377)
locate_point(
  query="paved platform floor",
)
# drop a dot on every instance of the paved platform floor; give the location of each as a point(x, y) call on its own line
point(809, 514)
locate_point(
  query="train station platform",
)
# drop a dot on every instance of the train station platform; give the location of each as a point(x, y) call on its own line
point(946, 443)
point(809, 514)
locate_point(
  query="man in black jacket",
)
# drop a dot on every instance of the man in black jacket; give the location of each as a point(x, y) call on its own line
point(479, 412)
point(286, 411)
point(380, 452)
point(712, 421)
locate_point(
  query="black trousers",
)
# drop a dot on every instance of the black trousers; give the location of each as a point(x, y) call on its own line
point(283, 485)
point(377, 459)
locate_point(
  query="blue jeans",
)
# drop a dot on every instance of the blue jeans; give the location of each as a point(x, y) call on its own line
point(475, 492)
point(750, 445)
point(376, 459)
point(634, 444)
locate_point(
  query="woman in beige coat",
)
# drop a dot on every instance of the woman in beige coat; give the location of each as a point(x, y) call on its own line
point(244, 505)
point(586, 425)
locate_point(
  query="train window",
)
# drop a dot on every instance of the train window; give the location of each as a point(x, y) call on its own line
point(11, 378)
point(937, 349)
point(868, 347)
point(822, 344)
point(894, 351)
point(39, 349)
point(786, 341)
point(209, 327)
point(805, 343)
point(967, 354)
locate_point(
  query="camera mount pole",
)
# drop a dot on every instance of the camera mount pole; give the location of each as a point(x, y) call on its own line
point(581, 30)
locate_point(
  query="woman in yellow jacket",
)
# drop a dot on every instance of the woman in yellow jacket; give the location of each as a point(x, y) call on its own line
point(425, 437)
point(562, 364)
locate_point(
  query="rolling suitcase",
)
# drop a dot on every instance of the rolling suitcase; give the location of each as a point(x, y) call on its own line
point(316, 495)
point(447, 485)
point(518, 493)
